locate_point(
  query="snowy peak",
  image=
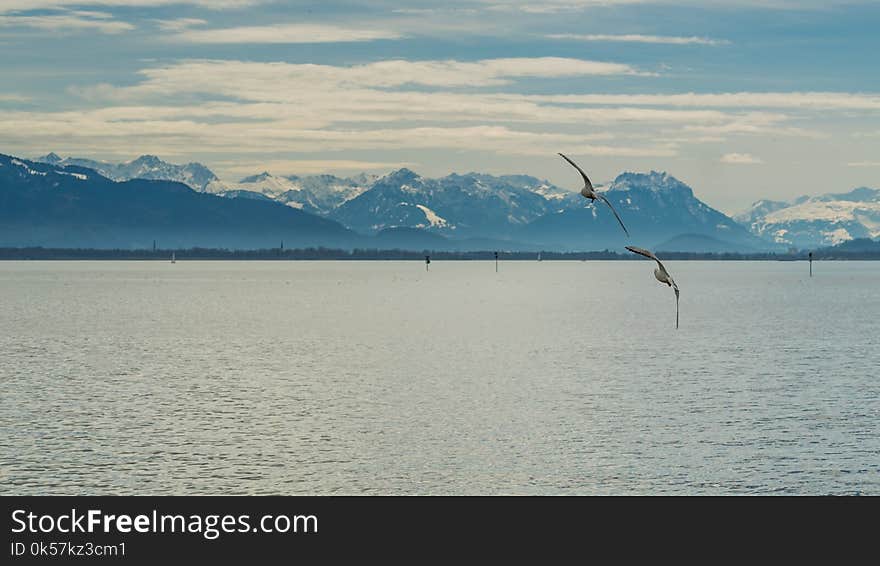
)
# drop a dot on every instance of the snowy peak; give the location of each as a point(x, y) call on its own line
point(317, 194)
point(861, 194)
point(196, 175)
point(823, 220)
point(400, 177)
point(266, 183)
point(52, 158)
point(23, 169)
point(655, 181)
point(147, 161)
point(257, 178)
point(759, 209)
point(457, 205)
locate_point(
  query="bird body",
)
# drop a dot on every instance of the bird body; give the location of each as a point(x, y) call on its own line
point(660, 274)
point(589, 193)
point(662, 277)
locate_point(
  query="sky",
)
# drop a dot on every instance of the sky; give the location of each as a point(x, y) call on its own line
point(741, 99)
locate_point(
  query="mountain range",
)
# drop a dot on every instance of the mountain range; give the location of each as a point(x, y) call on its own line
point(71, 206)
point(824, 220)
point(459, 211)
point(194, 175)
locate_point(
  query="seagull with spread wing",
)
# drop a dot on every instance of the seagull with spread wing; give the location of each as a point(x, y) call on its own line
point(660, 273)
point(589, 193)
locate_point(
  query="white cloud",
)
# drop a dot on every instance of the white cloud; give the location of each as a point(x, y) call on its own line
point(638, 38)
point(308, 108)
point(73, 21)
point(551, 6)
point(283, 33)
point(793, 100)
point(286, 81)
point(23, 5)
point(740, 159)
point(863, 164)
point(568, 6)
point(179, 24)
point(382, 112)
point(308, 166)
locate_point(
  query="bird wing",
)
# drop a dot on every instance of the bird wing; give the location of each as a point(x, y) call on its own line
point(606, 201)
point(581, 171)
point(644, 252)
point(650, 255)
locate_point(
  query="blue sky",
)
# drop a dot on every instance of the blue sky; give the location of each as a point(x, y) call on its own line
point(741, 99)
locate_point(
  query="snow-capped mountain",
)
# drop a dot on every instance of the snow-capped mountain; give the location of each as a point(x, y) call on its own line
point(67, 206)
point(265, 183)
point(762, 208)
point(656, 207)
point(824, 220)
point(318, 194)
point(462, 206)
point(196, 175)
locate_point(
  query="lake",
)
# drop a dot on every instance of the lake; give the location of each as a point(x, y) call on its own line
point(381, 378)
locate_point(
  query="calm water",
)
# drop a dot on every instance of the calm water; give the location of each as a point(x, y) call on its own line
point(377, 377)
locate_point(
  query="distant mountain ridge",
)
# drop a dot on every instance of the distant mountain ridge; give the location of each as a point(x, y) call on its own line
point(526, 212)
point(195, 175)
point(458, 206)
point(823, 220)
point(655, 207)
point(55, 205)
point(318, 194)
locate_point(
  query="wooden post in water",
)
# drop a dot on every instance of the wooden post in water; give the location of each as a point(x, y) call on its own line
point(811, 263)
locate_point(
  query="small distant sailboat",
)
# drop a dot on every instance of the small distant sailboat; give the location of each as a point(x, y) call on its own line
point(173, 259)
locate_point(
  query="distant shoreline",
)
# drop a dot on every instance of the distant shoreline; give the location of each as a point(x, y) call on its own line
point(329, 254)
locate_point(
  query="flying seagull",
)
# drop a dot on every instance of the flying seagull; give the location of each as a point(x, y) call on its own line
point(589, 193)
point(660, 273)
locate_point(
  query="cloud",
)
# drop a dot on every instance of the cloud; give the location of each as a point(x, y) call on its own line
point(171, 130)
point(73, 21)
point(24, 5)
point(638, 38)
point(308, 166)
point(793, 100)
point(551, 6)
point(863, 164)
point(740, 159)
point(392, 105)
point(388, 111)
point(569, 6)
point(280, 81)
point(179, 24)
point(284, 33)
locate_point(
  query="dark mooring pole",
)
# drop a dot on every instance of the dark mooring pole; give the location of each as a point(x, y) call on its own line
point(811, 263)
